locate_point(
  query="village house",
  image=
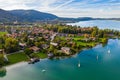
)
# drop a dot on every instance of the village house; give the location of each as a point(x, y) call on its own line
point(62, 34)
point(54, 44)
point(1, 51)
point(71, 42)
point(93, 38)
point(8, 35)
point(69, 39)
point(44, 46)
point(31, 38)
point(22, 45)
point(46, 37)
point(66, 50)
point(13, 35)
point(50, 55)
point(35, 49)
point(79, 34)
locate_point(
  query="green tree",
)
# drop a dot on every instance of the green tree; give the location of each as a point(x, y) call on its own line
point(28, 51)
point(100, 33)
point(11, 45)
point(1, 60)
point(93, 34)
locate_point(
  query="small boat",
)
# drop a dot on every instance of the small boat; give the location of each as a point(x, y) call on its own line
point(97, 57)
point(33, 60)
point(43, 70)
point(79, 64)
point(108, 51)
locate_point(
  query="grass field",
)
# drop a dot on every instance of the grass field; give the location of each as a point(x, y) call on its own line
point(19, 57)
point(86, 44)
point(15, 58)
point(3, 33)
point(78, 38)
point(41, 55)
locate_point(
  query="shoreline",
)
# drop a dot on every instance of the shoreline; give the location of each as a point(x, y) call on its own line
point(60, 57)
point(14, 65)
point(87, 59)
point(8, 67)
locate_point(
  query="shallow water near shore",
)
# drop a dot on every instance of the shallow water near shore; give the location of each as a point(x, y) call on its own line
point(105, 67)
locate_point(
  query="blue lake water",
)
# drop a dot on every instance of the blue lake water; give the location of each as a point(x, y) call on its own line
point(106, 67)
point(102, 24)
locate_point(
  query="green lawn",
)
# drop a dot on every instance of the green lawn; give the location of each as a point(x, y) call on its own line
point(79, 43)
point(3, 33)
point(86, 44)
point(15, 58)
point(41, 55)
point(101, 39)
point(78, 38)
point(74, 38)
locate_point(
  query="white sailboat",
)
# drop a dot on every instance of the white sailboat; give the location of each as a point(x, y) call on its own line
point(79, 64)
point(97, 57)
point(109, 51)
point(43, 70)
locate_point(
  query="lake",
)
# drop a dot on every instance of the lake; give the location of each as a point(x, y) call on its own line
point(104, 67)
point(102, 24)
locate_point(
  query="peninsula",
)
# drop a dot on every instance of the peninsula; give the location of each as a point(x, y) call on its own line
point(23, 43)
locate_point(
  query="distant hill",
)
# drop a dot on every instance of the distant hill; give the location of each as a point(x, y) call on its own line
point(32, 15)
point(25, 16)
point(76, 19)
point(36, 16)
point(5, 16)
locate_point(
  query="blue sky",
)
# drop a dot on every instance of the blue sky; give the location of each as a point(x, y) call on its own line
point(68, 8)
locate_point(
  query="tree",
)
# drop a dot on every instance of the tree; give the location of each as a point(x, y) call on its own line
point(51, 48)
point(24, 38)
point(2, 72)
point(1, 40)
point(28, 51)
point(38, 44)
point(30, 42)
point(11, 45)
point(95, 31)
point(1, 60)
point(104, 40)
point(93, 34)
point(100, 33)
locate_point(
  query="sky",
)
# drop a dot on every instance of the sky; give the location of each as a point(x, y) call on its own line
point(68, 8)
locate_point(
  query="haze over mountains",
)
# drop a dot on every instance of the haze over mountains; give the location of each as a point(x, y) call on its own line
point(33, 16)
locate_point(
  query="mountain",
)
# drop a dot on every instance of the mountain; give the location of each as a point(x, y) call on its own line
point(36, 16)
point(25, 16)
point(5, 16)
point(32, 15)
point(76, 19)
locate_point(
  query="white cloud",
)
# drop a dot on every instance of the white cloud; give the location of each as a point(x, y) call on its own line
point(13, 4)
point(64, 4)
point(67, 8)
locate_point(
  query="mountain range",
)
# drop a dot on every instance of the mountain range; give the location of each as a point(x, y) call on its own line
point(36, 16)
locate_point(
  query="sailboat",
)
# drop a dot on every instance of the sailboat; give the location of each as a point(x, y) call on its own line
point(79, 64)
point(43, 70)
point(97, 57)
point(108, 51)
